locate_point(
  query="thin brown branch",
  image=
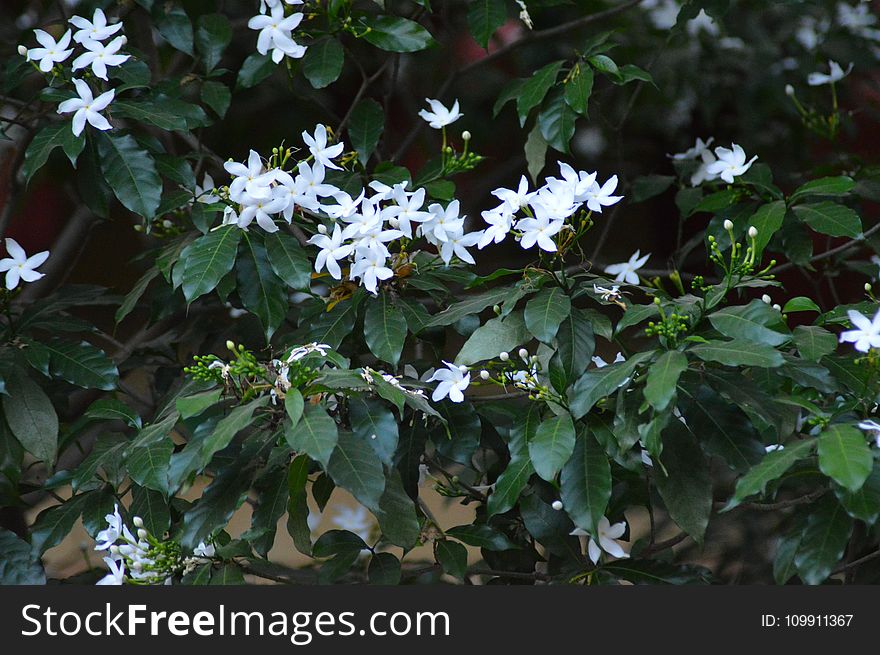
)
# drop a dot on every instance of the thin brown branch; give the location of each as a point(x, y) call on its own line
point(849, 245)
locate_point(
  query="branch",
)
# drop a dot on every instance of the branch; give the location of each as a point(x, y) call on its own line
point(782, 504)
point(862, 560)
point(854, 243)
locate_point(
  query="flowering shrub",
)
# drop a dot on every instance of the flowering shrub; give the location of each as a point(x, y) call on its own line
point(318, 315)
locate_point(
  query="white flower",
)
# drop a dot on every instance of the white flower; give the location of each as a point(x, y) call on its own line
point(608, 295)
point(107, 537)
point(702, 173)
point(370, 269)
point(408, 209)
point(872, 428)
point(604, 540)
point(275, 34)
point(835, 74)
point(772, 448)
point(249, 178)
point(100, 56)
point(205, 192)
point(323, 153)
point(204, 550)
point(260, 208)
point(730, 163)
point(301, 351)
point(439, 116)
point(355, 520)
point(453, 381)
point(626, 271)
point(539, 230)
point(87, 108)
point(332, 250)
point(601, 363)
point(95, 30)
point(514, 200)
point(53, 52)
point(117, 572)
point(500, 220)
point(865, 336)
point(444, 222)
point(694, 152)
point(345, 206)
point(599, 197)
point(19, 266)
point(457, 243)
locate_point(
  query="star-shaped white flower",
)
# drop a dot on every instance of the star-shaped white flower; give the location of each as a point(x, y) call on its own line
point(323, 153)
point(100, 56)
point(18, 266)
point(52, 52)
point(626, 271)
point(96, 29)
point(275, 34)
point(117, 572)
point(731, 163)
point(332, 250)
point(866, 332)
point(598, 197)
point(453, 381)
point(87, 108)
point(835, 74)
point(439, 116)
point(605, 539)
point(694, 152)
point(540, 230)
point(370, 268)
point(457, 243)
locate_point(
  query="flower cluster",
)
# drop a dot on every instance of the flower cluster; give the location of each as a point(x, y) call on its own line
point(100, 53)
point(140, 557)
point(18, 266)
point(546, 209)
point(276, 30)
point(724, 164)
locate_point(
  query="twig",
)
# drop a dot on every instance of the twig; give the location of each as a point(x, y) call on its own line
point(514, 575)
point(834, 251)
point(858, 562)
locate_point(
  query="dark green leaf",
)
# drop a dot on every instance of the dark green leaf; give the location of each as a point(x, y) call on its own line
point(31, 417)
point(323, 62)
point(823, 541)
point(384, 329)
point(397, 34)
point(261, 291)
point(546, 311)
point(533, 90)
point(208, 259)
point(481, 536)
point(552, 445)
point(484, 17)
point(585, 483)
point(355, 467)
point(844, 456)
point(772, 466)
point(20, 564)
point(663, 379)
point(686, 487)
point(365, 128)
point(131, 173)
point(288, 259)
point(830, 218)
point(212, 36)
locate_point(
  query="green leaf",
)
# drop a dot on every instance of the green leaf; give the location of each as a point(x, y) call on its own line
point(131, 173)
point(844, 456)
point(385, 329)
point(686, 487)
point(823, 541)
point(598, 383)
point(515, 477)
point(452, 557)
point(152, 113)
point(152, 508)
point(533, 90)
point(549, 527)
point(825, 186)
point(753, 322)
point(374, 424)
point(546, 311)
point(113, 409)
point(771, 467)
point(767, 220)
point(212, 36)
point(830, 218)
point(471, 305)
point(217, 96)
point(260, 289)
point(355, 467)
point(20, 564)
point(397, 514)
point(495, 336)
point(556, 122)
point(814, 342)
point(604, 64)
point(208, 259)
point(45, 141)
point(738, 352)
point(552, 445)
point(863, 504)
point(646, 571)
point(31, 417)
point(195, 404)
point(575, 345)
point(323, 62)
point(578, 87)
point(535, 151)
point(663, 379)
point(288, 259)
point(255, 69)
point(148, 457)
point(272, 503)
point(82, 364)
point(297, 504)
point(649, 186)
point(384, 569)
point(800, 304)
point(55, 523)
point(484, 17)
point(585, 483)
point(481, 536)
point(395, 34)
point(365, 128)
point(174, 25)
point(315, 434)
point(230, 425)
point(294, 405)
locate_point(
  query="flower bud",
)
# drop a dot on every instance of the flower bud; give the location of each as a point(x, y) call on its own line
point(138, 522)
point(463, 368)
point(230, 345)
point(789, 90)
point(868, 287)
point(766, 298)
point(322, 228)
point(777, 307)
point(523, 353)
point(393, 222)
point(728, 224)
point(496, 309)
point(142, 533)
point(124, 39)
point(504, 356)
point(466, 135)
point(557, 505)
point(753, 231)
point(167, 224)
point(114, 549)
point(22, 51)
point(484, 374)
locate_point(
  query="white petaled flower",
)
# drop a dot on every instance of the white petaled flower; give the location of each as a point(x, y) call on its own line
point(626, 271)
point(355, 520)
point(453, 381)
point(96, 29)
point(601, 363)
point(702, 173)
point(772, 448)
point(87, 108)
point(407, 209)
point(205, 192)
point(604, 540)
point(52, 52)
point(18, 266)
point(694, 152)
point(731, 163)
point(456, 245)
point(117, 572)
point(107, 537)
point(598, 197)
point(835, 74)
point(260, 208)
point(332, 250)
point(370, 269)
point(439, 116)
point(275, 34)
point(500, 222)
point(608, 295)
point(204, 550)
point(301, 351)
point(515, 200)
point(323, 153)
point(443, 222)
point(864, 336)
point(873, 429)
point(539, 230)
point(100, 56)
